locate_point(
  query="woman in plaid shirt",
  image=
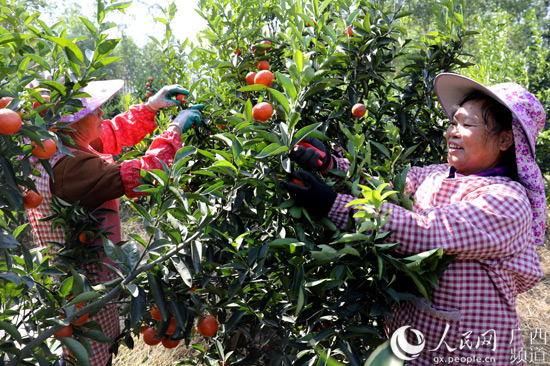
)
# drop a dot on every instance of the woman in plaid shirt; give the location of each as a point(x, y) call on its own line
point(487, 206)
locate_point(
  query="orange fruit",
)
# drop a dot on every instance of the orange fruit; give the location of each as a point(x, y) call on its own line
point(10, 122)
point(170, 343)
point(358, 110)
point(64, 332)
point(144, 329)
point(155, 313)
point(47, 151)
point(36, 104)
point(208, 326)
point(151, 79)
point(264, 77)
point(263, 65)
point(148, 84)
point(262, 111)
point(83, 238)
point(350, 31)
point(149, 335)
point(238, 52)
point(250, 77)
point(172, 326)
point(32, 199)
point(181, 98)
point(83, 319)
point(4, 101)
point(263, 51)
point(298, 182)
point(194, 288)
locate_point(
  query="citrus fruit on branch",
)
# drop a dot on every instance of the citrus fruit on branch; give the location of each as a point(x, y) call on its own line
point(208, 326)
point(262, 111)
point(10, 122)
point(358, 110)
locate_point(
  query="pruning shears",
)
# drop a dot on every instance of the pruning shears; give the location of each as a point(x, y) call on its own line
point(322, 154)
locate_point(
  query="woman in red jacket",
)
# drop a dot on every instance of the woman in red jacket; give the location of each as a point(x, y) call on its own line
point(487, 206)
point(92, 177)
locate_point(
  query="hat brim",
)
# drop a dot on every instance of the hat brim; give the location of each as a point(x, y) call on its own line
point(100, 92)
point(452, 88)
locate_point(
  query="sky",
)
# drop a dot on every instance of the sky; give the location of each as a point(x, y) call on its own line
point(139, 18)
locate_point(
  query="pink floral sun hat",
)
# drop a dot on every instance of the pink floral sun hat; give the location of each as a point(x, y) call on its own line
point(100, 92)
point(529, 118)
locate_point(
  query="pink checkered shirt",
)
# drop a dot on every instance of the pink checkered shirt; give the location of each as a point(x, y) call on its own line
point(487, 223)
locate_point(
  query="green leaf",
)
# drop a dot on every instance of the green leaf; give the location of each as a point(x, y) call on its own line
point(105, 61)
point(138, 306)
point(301, 300)
point(78, 350)
point(383, 356)
point(304, 131)
point(118, 6)
point(254, 87)
point(352, 237)
point(13, 37)
point(113, 251)
point(155, 285)
point(107, 46)
point(349, 250)
point(83, 297)
point(326, 253)
point(184, 152)
point(97, 336)
point(91, 27)
point(7, 241)
point(234, 320)
point(281, 98)
point(382, 148)
point(54, 85)
point(39, 60)
point(272, 149)
point(287, 84)
point(183, 271)
point(299, 59)
point(71, 49)
point(11, 330)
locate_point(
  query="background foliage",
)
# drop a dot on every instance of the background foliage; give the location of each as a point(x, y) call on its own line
point(221, 235)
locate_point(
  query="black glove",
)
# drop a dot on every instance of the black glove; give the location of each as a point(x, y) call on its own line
point(311, 154)
point(316, 196)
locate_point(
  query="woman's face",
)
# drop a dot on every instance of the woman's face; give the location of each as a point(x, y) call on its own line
point(90, 127)
point(471, 148)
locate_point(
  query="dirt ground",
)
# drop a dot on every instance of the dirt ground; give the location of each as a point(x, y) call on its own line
point(534, 310)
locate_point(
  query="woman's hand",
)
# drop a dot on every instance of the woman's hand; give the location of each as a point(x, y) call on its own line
point(166, 97)
point(190, 117)
point(311, 154)
point(316, 196)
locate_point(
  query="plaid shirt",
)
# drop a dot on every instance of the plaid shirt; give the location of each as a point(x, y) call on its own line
point(486, 222)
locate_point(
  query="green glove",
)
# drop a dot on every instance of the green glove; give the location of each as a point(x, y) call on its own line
point(190, 117)
point(166, 97)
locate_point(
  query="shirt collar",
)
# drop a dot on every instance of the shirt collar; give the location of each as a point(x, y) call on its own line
point(501, 171)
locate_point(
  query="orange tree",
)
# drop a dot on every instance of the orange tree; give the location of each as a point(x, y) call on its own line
point(222, 236)
point(225, 239)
